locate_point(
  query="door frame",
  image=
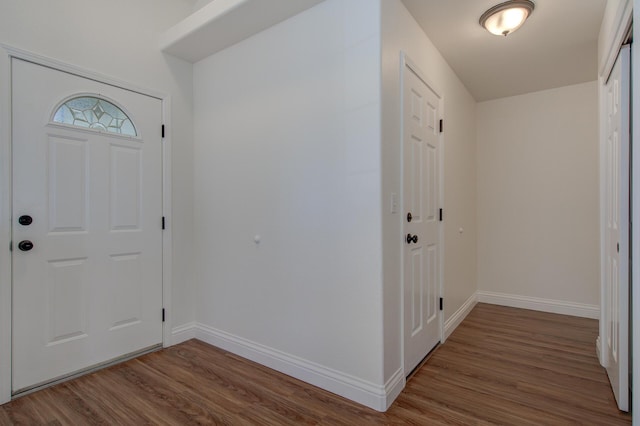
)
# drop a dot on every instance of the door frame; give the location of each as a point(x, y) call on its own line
point(406, 61)
point(621, 24)
point(624, 240)
point(634, 309)
point(7, 53)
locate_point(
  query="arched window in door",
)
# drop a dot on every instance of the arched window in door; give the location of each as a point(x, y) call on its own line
point(92, 112)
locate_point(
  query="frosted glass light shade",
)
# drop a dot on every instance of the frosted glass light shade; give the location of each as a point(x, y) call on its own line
point(507, 17)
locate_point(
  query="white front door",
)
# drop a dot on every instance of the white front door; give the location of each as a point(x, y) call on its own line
point(87, 223)
point(421, 202)
point(617, 229)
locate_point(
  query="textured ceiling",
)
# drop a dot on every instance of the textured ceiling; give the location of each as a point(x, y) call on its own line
point(557, 46)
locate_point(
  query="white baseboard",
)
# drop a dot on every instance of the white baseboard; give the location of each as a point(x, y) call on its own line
point(539, 304)
point(183, 333)
point(393, 387)
point(599, 350)
point(456, 319)
point(361, 391)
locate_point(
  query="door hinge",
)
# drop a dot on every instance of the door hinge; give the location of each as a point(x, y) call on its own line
point(618, 247)
point(162, 222)
point(440, 215)
point(441, 303)
point(441, 126)
point(163, 131)
point(162, 314)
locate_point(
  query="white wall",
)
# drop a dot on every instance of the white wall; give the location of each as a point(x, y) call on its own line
point(117, 38)
point(199, 4)
point(538, 205)
point(287, 147)
point(400, 32)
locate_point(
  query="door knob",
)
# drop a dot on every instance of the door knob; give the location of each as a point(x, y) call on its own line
point(25, 220)
point(409, 217)
point(412, 239)
point(25, 245)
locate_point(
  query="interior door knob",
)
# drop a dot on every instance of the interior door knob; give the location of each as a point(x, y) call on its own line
point(412, 239)
point(25, 245)
point(25, 220)
point(409, 217)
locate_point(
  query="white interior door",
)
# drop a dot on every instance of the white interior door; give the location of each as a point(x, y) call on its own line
point(87, 269)
point(617, 229)
point(421, 201)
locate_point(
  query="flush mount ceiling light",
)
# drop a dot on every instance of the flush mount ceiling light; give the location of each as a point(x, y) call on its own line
point(505, 18)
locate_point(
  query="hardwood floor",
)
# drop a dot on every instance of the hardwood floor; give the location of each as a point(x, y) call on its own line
point(501, 366)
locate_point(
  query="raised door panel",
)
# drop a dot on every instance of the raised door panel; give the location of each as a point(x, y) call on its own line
point(431, 284)
point(67, 199)
point(66, 302)
point(126, 164)
point(416, 280)
point(416, 200)
point(126, 292)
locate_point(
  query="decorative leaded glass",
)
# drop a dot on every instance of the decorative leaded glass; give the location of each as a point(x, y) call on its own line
point(95, 113)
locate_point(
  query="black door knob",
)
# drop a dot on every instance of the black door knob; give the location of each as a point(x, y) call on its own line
point(412, 239)
point(25, 245)
point(409, 217)
point(25, 220)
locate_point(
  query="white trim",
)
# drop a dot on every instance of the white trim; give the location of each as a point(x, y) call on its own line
point(604, 296)
point(599, 351)
point(624, 202)
point(619, 28)
point(456, 319)
point(167, 213)
point(5, 226)
point(351, 387)
point(6, 53)
point(183, 333)
point(539, 304)
point(635, 210)
point(79, 71)
point(441, 154)
point(223, 23)
point(621, 24)
point(394, 387)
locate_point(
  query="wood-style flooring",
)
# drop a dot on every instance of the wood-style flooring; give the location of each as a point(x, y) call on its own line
point(500, 366)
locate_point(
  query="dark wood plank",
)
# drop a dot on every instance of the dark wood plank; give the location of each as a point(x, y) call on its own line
point(501, 366)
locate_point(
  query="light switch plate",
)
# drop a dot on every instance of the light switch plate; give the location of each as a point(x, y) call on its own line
point(394, 202)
